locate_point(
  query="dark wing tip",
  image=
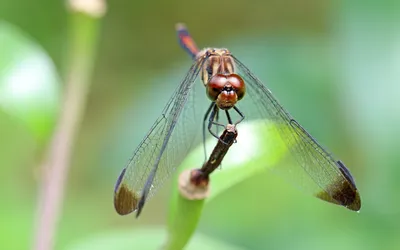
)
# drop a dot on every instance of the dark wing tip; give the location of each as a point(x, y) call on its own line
point(342, 192)
point(125, 200)
point(352, 199)
point(356, 204)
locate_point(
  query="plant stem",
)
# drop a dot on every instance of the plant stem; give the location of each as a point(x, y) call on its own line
point(81, 56)
point(193, 184)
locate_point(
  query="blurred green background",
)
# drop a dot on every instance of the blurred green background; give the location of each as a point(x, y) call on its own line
point(335, 65)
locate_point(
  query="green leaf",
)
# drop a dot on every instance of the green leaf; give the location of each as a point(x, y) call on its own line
point(251, 155)
point(29, 83)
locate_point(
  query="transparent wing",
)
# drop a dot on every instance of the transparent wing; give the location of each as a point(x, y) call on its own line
point(320, 173)
point(163, 148)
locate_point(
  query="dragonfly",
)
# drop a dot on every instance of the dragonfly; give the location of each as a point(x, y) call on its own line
point(233, 90)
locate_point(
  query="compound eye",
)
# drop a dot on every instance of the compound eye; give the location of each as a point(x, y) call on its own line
point(215, 86)
point(238, 85)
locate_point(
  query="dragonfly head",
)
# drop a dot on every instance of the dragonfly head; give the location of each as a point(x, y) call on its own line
point(222, 85)
point(225, 90)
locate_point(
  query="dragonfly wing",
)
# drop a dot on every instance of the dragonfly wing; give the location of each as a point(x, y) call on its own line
point(320, 173)
point(162, 149)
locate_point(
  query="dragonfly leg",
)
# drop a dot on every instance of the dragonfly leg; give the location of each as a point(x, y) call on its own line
point(237, 122)
point(241, 115)
point(217, 120)
point(204, 128)
point(228, 117)
point(211, 122)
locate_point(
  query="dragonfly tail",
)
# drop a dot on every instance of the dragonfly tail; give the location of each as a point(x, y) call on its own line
point(185, 40)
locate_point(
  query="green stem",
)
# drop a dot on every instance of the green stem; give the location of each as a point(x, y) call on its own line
point(83, 33)
point(183, 218)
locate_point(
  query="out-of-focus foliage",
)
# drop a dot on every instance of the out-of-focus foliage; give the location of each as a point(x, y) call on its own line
point(333, 65)
point(29, 83)
point(146, 238)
